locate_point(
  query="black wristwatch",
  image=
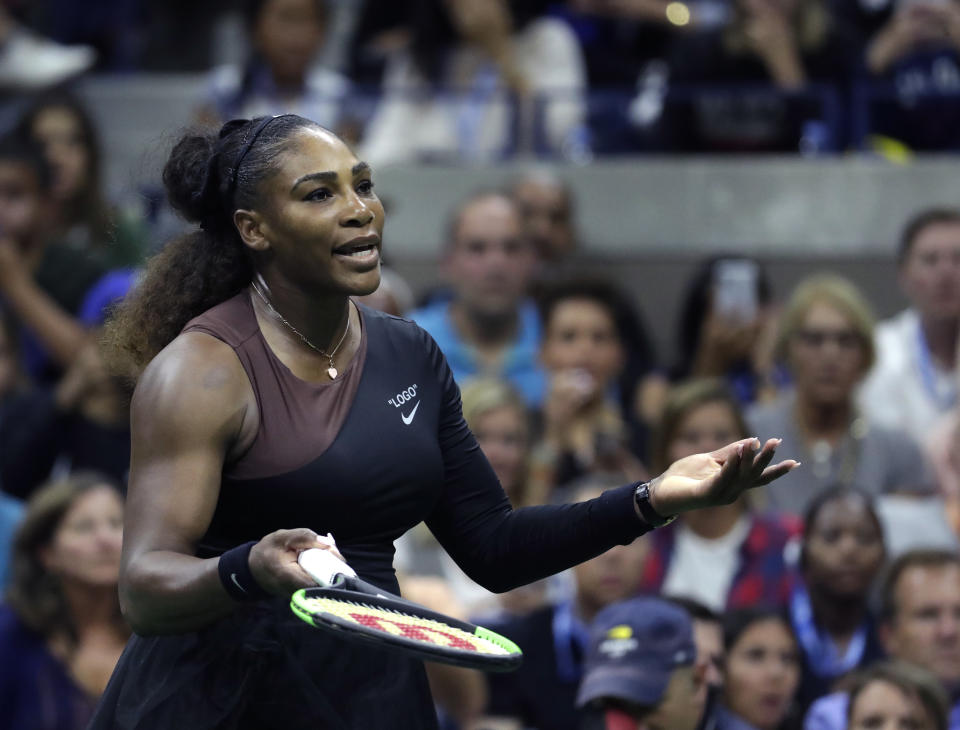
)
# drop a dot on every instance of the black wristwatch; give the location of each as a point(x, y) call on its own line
point(641, 496)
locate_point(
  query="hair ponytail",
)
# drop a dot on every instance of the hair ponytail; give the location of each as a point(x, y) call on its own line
point(207, 177)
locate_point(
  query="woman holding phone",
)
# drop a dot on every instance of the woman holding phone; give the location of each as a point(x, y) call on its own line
point(726, 322)
point(270, 409)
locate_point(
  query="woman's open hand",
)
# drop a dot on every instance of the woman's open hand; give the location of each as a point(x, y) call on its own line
point(720, 477)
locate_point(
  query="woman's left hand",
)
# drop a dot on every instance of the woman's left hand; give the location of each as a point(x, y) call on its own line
point(708, 480)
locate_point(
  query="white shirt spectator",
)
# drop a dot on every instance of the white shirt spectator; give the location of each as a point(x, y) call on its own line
point(470, 115)
point(906, 389)
point(238, 92)
point(703, 569)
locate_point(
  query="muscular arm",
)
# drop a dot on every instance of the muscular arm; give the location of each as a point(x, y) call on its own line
point(187, 411)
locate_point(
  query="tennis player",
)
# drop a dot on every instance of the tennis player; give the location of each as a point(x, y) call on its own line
point(271, 409)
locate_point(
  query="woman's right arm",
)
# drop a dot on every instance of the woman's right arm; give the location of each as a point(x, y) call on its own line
point(192, 407)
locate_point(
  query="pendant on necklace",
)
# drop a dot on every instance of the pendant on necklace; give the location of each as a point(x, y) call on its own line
point(332, 372)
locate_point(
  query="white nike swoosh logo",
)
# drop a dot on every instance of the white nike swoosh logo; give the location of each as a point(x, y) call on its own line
point(233, 577)
point(409, 419)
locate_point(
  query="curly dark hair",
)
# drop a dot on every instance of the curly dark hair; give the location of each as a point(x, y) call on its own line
point(205, 267)
point(34, 593)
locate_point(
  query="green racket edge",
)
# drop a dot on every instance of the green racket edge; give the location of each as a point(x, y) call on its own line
point(481, 632)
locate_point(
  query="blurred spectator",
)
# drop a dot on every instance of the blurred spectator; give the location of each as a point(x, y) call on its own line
point(393, 296)
point(12, 385)
point(114, 29)
point(11, 513)
point(498, 418)
point(181, 35)
point(583, 352)
point(29, 62)
point(43, 282)
point(83, 424)
point(451, 96)
point(61, 632)
point(488, 326)
point(281, 74)
point(724, 557)
point(918, 52)
point(18, 400)
point(625, 45)
point(898, 696)
point(80, 215)
point(919, 624)
point(642, 669)
point(866, 16)
point(943, 448)
point(786, 45)
point(708, 638)
point(546, 206)
point(725, 328)
point(761, 673)
point(370, 32)
point(841, 556)
point(826, 338)
point(619, 37)
point(914, 380)
point(555, 638)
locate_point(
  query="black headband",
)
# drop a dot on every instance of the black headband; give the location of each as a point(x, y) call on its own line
point(243, 153)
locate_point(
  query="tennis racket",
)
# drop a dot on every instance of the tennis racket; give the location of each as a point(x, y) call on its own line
point(359, 611)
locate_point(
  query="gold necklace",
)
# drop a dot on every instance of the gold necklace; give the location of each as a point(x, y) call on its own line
point(331, 370)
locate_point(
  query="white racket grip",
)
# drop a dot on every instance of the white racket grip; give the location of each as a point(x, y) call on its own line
point(323, 565)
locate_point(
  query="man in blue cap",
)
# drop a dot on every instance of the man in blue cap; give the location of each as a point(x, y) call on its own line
point(641, 671)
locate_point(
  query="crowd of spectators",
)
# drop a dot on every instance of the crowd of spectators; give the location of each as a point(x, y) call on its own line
point(454, 79)
point(829, 600)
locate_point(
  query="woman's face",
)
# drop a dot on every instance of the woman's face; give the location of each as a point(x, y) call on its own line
point(827, 355)
point(502, 435)
point(320, 223)
point(762, 674)
point(844, 549)
point(581, 335)
point(60, 133)
point(704, 429)
point(884, 706)
point(85, 548)
point(288, 35)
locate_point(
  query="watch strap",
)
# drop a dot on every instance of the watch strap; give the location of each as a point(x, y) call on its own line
point(641, 497)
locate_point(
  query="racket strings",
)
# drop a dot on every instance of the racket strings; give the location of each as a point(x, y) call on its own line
point(402, 624)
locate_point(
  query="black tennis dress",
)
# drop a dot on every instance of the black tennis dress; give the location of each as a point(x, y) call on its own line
point(365, 457)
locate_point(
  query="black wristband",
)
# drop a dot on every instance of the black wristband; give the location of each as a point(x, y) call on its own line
point(235, 574)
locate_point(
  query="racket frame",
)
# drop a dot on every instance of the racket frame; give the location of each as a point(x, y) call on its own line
point(387, 601)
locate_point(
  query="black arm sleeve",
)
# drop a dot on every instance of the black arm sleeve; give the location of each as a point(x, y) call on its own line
point(500, 547)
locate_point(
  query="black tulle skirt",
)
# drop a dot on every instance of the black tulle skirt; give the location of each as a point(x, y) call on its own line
point(263, 668)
